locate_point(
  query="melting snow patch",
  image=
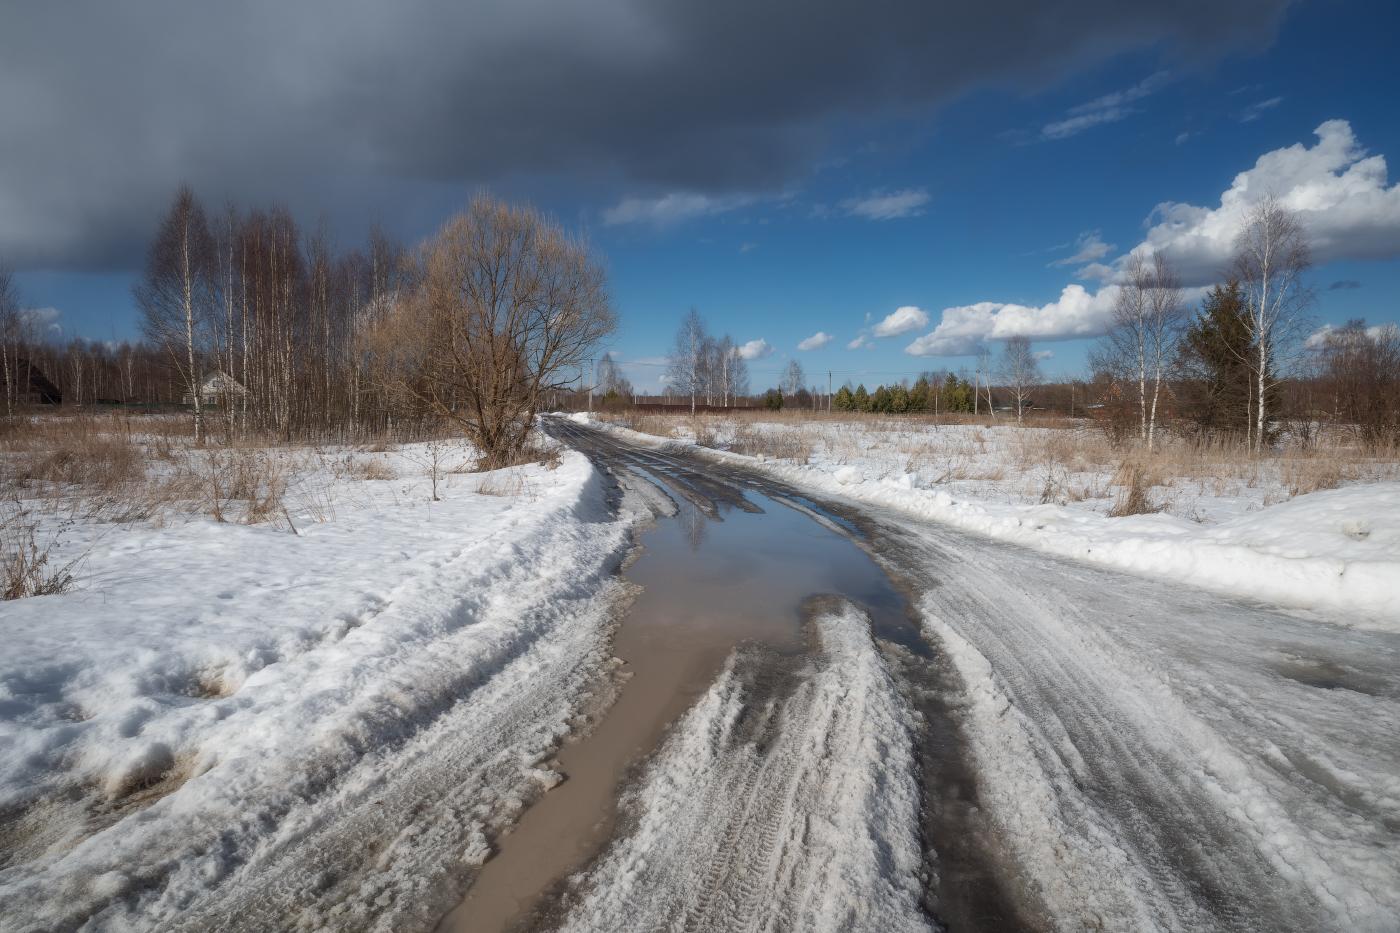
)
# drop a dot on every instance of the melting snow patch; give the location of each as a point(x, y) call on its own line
point(787, 807)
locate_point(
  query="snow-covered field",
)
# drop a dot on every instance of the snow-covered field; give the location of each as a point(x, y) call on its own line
point(205, 725)
point(1233, 526)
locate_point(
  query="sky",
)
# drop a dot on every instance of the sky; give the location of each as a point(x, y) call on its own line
point(872, 189)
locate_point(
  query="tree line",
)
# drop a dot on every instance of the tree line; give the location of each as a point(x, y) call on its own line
point(259, 328)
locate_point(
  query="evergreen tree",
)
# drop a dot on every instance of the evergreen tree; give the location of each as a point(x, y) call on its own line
point(921, 395)
point(1216, 352)
point(957, 394)
point(773, 400)
point(880, 401)
point(862, 398)
point(899, 399)
point(844, 400)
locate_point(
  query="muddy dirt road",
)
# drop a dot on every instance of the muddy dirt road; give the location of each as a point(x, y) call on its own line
point(841, 718)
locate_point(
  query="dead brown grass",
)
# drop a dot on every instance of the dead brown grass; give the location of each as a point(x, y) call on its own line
point(786, 445)
point(1134, 482)
point(27, 567)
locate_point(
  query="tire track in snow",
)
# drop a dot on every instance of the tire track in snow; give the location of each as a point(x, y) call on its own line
point(785, 799)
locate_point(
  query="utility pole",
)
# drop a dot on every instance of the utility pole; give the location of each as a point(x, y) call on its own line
point(594, 364)
point(828, 391)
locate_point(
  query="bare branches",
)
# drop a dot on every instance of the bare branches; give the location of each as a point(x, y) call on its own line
point(507, 307)
point(1148, 313)
point(1020, 370)
point(179, 293)
point(1271, 256)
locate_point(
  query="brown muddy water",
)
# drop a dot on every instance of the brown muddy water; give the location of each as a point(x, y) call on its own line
point(734, 565)
point(712, 577)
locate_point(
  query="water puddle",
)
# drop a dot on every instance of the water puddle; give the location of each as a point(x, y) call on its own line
point(729, 568)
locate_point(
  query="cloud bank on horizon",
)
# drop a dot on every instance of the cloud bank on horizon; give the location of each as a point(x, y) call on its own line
point(1338, 189)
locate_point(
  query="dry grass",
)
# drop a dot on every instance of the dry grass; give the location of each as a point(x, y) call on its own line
point(1133, 495)
point(1048, 459)
point(787, 445)
point(28, 568)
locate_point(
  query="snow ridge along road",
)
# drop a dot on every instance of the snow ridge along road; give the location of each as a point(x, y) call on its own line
point(357, 769)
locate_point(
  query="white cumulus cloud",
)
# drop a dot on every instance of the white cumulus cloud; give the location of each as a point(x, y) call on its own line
point(888, 205)
point(901, 321)
point(1077, 313)
point(755, 349)
point(815, 342)
point(860, 341)
point(1341, 195)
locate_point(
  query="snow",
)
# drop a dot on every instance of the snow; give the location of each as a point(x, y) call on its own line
point(1335, 550)
point(760, 812)
point(216, 702)
point(1158, 758)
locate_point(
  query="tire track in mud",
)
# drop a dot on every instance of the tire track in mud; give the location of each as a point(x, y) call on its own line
point(964, 879)
point(784, 799)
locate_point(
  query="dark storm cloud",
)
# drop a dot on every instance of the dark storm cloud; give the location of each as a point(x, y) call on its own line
point(104, 106)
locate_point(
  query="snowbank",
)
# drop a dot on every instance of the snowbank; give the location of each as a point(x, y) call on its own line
point(215, 697)
point(1336, 550)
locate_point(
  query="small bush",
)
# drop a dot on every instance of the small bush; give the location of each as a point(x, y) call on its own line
point(26, 567)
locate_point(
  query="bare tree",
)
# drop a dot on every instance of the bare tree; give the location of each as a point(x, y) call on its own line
point(506, 308)
point(1361, 374)
point(1271, 255)
point(178, 291)
point(1020, 370)
point(736, 371)
point(10, 337)
point(794, 379)
point(611, 381)
point(685, 367)
point(1147, 317)
point(982, 382)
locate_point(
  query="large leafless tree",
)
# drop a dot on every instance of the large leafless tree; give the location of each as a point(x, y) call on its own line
point(1271, 256)
point(179, 293)
point(507, 307)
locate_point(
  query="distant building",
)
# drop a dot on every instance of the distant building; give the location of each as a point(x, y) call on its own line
point(218, 389)
point(34, 387)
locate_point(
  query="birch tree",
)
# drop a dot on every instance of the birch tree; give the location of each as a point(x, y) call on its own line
point(794, 379)
point(1019, 370)
point(10, 328)
point(1271, 256)
point(684, 369)
point(1143, 334)
point(177, 292)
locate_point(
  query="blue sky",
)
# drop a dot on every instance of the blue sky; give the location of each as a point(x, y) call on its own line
point(982, 197)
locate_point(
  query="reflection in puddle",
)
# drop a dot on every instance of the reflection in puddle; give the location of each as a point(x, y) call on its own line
point(708, 585)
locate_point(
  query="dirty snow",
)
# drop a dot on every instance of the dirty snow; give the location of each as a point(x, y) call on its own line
point(774, 807)
point(223, 720)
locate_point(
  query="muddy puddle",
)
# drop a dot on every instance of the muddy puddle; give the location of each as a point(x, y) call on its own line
point(726, 569)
